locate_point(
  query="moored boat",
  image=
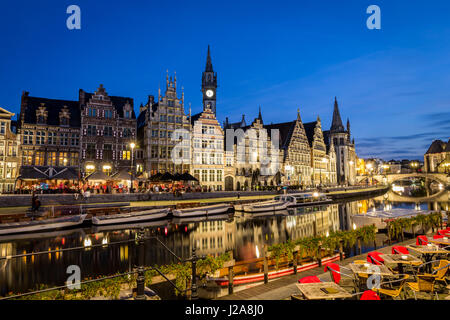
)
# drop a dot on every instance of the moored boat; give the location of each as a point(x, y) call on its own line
point(123, 226)
point(131, 217)
point(265, 206)
point(304, 199)
point(201, 211)
point(41, 225)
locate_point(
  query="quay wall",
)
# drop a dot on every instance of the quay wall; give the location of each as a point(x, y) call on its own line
point(16, 200)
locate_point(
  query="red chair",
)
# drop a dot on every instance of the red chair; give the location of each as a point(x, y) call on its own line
point(374, 258)
point(443, 232)
point(309, 279)
point(370, 295)
point(421, 240)
point(438, 236)
point(335, 270)
point(399, 250)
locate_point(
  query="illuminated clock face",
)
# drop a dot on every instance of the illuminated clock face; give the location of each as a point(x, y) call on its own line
point(209, 93)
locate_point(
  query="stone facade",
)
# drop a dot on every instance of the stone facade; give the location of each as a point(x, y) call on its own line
point(49, 130)
point(251, 159)
point(9, 152)
point(323, 156)
point(108, 129)
point(157, 123)
point(346, 160)
point(437, 157)
point(296, 162)
point(208, 151)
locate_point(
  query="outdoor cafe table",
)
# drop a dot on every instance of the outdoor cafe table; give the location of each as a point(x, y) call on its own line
point(441, 241)
point(318, 291)
point(371, 269)
point(382, 270)
point(427, 252)
point(401, 259)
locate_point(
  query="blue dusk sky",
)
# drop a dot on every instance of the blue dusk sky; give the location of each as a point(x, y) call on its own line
point(392, 83)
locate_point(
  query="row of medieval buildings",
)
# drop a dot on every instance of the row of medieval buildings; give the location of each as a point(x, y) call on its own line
point(57, 141)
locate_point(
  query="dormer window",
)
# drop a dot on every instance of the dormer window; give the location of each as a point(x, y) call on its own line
point(64, 116)
point(41, 114)
point(127, 110)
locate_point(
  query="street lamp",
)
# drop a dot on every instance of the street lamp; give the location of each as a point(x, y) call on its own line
point(414, 165)
point(132, 145)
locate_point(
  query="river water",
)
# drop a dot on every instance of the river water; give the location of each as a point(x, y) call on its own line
point(244, 234)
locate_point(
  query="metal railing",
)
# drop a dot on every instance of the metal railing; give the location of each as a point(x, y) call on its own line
point(140, 268)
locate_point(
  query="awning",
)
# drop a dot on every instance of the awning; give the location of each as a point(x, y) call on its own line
point(98, 176)
point(121, 175)
point(66, 174)
point(47, 173)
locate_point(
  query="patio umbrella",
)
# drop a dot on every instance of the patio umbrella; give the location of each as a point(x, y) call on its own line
point(167, 177)
point(177, 177)
point(155, 177)
point(188, 177)
point(66, 174)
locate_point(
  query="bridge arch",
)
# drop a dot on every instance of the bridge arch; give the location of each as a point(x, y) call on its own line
point(390, 178)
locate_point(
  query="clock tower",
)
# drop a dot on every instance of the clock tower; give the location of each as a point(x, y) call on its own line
point(209, 85)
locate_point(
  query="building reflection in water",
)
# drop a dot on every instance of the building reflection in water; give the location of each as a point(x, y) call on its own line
point(244, 234)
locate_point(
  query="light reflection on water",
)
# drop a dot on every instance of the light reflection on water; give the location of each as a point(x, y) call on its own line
point(244, 234)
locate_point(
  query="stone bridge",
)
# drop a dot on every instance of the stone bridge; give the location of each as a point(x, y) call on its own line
point(442, 196)
point(442, 178)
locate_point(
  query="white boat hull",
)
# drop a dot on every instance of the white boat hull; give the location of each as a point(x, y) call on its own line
point(131, 217)
point(201, 211)
point(49, 224)
point(264, 207)
point(123, 226)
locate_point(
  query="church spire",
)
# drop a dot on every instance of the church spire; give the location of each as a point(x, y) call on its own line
point(298, 115)
point(259, 114)
point(336, 124)
point(209, 67)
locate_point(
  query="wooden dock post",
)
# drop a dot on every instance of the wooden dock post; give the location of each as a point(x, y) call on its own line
point(359, 245)
point(319, 258)
point(266, 266)
point(230, 276)
point(230, 280)
point(341, 251)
